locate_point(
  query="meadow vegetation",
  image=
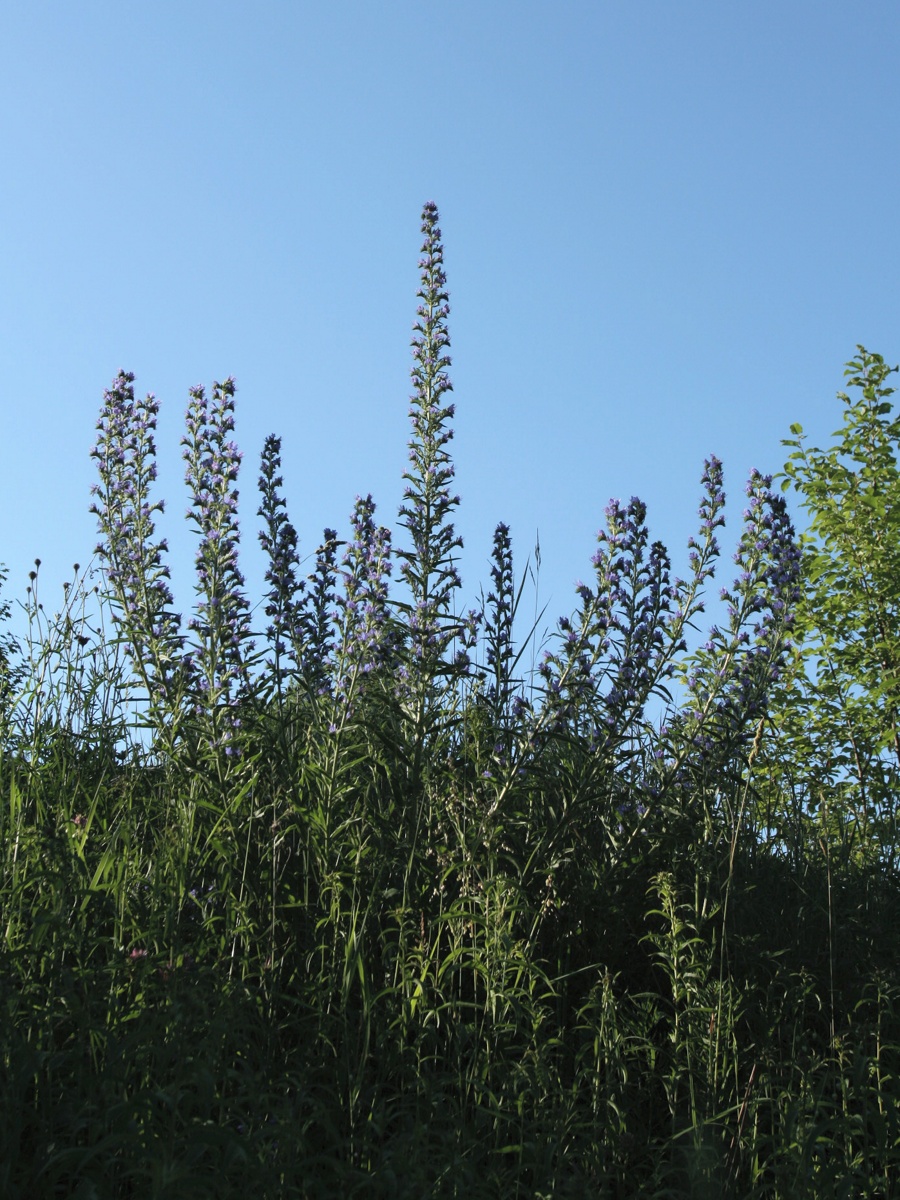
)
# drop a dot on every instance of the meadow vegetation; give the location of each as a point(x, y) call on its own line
point(360, 904)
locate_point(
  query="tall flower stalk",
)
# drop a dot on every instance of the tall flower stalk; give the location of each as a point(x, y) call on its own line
point(278, 539)
point(367, 633)
point(621, 647)
point(500, 611)
point(221, 625)
point(428, 568)
point(314, 632)
point(136, 572)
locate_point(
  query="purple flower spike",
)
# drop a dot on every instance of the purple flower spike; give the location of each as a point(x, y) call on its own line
point(138, 578)
point(428, 568)
point(222, 622)
point(279, 541)
point(368, 641)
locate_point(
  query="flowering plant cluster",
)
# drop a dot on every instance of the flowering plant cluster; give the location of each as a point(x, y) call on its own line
point(330, 632)
point(211, 678)
point(731, 677)
point(618, 650)
point(616, 636)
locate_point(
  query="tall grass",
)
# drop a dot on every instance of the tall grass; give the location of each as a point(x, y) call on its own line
point(355, 905)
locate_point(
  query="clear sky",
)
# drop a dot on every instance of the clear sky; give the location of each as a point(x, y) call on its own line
point(667, 226)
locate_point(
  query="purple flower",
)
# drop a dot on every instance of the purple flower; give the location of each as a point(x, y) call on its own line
point(222, 623)
point(368, 640)
point(137, 576)
point(279, 540)
point(429, 568)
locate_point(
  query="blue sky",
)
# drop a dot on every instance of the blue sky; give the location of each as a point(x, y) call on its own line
point(667, 226)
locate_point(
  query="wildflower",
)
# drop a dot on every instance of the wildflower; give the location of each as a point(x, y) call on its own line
point(279, 540)
point(368, 640)
point(614, 652)
point(428, 568)
point(137, 576)
point(499, 622)
point(221, 621)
